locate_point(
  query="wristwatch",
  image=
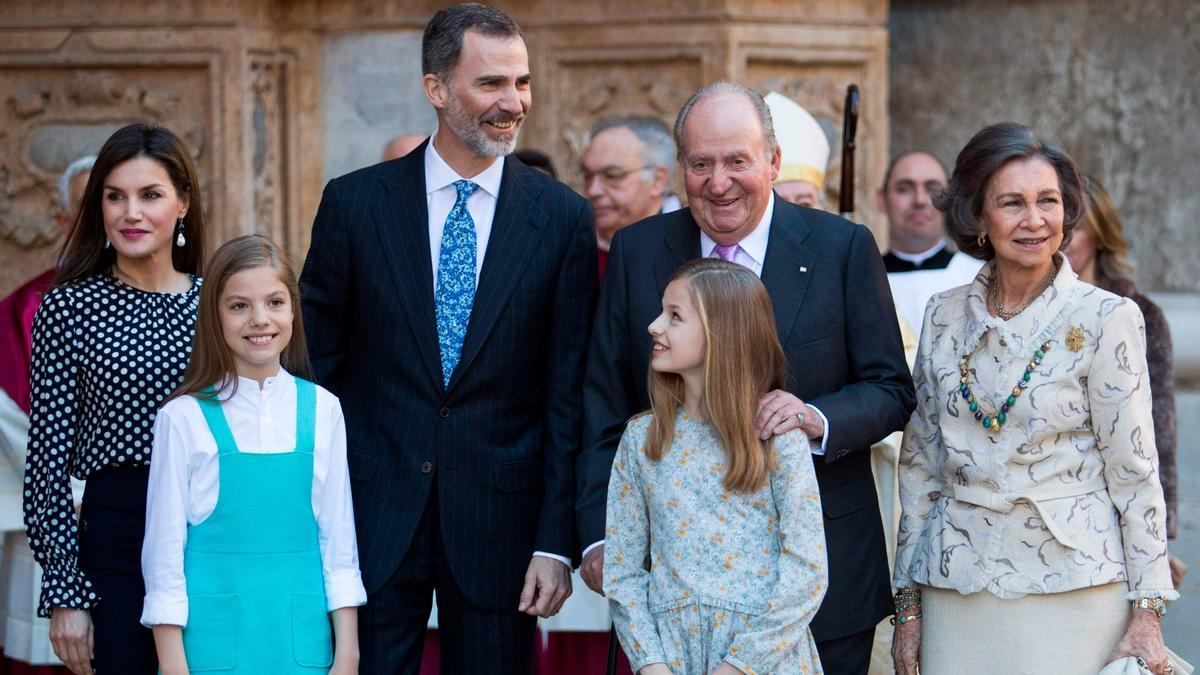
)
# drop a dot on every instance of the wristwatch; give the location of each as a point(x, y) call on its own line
point(1156, 604)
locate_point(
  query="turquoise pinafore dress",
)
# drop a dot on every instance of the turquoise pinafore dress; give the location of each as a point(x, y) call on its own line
point(256, 592)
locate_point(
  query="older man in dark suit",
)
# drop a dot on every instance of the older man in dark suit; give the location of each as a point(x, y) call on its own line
point(448, 298)
point(850, 385)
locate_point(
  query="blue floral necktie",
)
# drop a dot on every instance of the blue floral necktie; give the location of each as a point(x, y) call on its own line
point(455, 280)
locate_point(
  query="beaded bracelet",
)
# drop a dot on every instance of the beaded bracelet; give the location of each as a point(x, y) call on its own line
point(901, 619)
point(907, 599)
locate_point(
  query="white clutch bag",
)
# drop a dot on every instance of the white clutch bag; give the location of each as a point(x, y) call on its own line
point(1130, 665)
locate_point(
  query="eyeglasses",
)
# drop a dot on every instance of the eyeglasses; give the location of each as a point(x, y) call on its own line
point(610, 175)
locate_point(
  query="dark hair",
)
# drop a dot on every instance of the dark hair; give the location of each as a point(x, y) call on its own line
point(887, 175)
point(84, 253)
point(441, 45)
point(212, 363)
point(987, 151)
point(755, 99)
point(537, 160)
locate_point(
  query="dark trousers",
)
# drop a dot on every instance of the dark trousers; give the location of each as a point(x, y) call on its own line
point(850, 655)
point(474, 641)
point(112, 522)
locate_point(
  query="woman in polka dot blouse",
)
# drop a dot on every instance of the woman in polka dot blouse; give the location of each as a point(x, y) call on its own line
point(110, 342)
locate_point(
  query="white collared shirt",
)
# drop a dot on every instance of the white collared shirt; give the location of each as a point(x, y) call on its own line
point(185, 485)
point(752, 249)
point(440, 195)
point(918, 258)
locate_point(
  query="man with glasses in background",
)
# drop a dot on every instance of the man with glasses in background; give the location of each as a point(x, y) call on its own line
point(628, 169)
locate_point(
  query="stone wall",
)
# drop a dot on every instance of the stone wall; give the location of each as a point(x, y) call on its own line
point(275, 97)
point(1114, 82)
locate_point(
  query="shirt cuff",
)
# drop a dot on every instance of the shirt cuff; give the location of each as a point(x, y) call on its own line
point(165, 608)
point(559, 558)
point(815, 447)
point(65, 586)
point(344, 588)
point(589, 549)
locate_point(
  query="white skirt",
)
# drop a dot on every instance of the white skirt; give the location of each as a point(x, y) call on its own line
point(1062, 633)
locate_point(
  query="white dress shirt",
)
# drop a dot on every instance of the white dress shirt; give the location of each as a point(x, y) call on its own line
point(440, 195)
point(185, 484)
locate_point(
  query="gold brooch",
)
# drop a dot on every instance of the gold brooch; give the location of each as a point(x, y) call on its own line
point(1075, 338)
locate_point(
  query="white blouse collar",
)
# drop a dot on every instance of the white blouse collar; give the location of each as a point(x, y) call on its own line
point(1029, 329)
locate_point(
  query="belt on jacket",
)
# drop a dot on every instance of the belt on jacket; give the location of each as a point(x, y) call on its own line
point(1004, 502)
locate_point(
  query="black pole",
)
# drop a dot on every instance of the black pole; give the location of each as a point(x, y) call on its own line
point(849, 131)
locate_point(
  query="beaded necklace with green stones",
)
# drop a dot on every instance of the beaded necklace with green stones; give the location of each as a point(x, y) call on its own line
point(991, 417)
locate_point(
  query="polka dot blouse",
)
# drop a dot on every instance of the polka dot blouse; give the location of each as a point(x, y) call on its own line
point(105, 355)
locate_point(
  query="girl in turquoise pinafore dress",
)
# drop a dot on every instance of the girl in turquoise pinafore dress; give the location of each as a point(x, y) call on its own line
point(714, 555)
point(250, 543)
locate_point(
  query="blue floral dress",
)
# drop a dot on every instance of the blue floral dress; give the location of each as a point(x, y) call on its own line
point(732, 577)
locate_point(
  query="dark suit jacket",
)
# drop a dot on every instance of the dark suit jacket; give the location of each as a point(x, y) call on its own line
point(834, 313)
point(501, 441)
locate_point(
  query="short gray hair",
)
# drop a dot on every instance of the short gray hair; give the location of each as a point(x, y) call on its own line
point(755, 98)
point(654, 135)
point(81, 165)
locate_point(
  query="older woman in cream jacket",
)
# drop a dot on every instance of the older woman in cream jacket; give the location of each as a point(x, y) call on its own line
point(1032, 534)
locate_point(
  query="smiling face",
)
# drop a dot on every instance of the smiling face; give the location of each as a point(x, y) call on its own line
point(678, 333)
point(727, 170)
point(256, 320)
point(484, 100)
point(1023, 213)
point(141, 206)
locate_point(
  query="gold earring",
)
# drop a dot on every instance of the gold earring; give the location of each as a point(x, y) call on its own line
point(981, 240)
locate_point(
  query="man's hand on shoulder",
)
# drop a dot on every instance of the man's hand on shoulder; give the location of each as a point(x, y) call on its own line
point(547, 587)
point(778, 413)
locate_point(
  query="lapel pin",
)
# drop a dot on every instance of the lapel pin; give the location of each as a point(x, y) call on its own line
point(803, 269)
point(1075, 338)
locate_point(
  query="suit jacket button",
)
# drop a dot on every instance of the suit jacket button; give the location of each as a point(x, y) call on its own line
point(426, 467)
point(444, 412)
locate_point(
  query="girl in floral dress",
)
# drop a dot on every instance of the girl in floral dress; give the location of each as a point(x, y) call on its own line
point(714, 558)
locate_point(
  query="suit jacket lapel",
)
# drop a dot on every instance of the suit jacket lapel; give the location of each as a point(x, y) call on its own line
point(403, 226)
point(516, 232)
point(788, 266)
point(682, 243)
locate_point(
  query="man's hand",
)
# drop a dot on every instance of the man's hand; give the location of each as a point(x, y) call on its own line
point(73, 638)
point(547, 587)
point(592, 569)
point(777, 415)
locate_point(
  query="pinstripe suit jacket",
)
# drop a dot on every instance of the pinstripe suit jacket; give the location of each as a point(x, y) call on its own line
point(502, 438)
point(836, 322)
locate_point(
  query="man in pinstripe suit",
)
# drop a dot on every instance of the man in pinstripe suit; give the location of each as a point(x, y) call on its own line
point(448, 297)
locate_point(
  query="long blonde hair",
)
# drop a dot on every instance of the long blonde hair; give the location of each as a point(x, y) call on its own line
point(1112, 251)
point(212, 363)
point(742, 361)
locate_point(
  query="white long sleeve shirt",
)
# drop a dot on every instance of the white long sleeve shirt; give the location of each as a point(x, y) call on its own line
point(185, 484)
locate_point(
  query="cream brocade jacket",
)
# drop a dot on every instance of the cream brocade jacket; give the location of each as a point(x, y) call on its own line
point(1066, 495)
